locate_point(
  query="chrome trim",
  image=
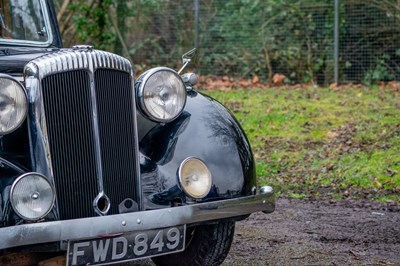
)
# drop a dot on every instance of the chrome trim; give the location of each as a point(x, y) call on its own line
point(96, 132)
point(139, 190)
point(39, 143)
point(11, 165)
point(80, 57)
point(96, 203)
point(36, 233)
point(52, 200)
point(35, 43)
point(266, 189)
point(73, 59)
point(142, 80)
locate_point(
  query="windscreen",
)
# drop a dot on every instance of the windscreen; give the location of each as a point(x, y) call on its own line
point(22, 20)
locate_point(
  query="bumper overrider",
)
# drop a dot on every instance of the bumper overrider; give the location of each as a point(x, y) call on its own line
point(96, 227)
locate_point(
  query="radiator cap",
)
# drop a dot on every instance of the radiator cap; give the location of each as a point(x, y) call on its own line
point(82, 47)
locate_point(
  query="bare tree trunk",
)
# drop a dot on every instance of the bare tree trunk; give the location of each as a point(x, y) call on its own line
point(268, 64)
point(121, 40)
point(120, 27)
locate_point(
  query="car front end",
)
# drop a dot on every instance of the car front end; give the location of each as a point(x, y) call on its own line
point(102, 167)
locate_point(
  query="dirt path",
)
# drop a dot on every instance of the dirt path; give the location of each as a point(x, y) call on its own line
point(322, 233)
point(319, 233)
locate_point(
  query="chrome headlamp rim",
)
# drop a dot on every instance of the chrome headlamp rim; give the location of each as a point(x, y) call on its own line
point(142, 80)
point(18, 179)
point(187, 192)
point(17, 125)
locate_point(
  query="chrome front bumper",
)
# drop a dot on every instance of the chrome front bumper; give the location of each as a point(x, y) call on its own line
point(87, 228)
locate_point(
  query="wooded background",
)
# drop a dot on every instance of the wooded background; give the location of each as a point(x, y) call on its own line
point(243, 38)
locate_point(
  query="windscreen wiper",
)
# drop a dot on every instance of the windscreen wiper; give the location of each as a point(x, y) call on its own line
point(21, 50)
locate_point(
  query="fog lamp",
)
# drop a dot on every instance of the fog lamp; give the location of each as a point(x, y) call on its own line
point(13, 104)
point(195, 178)
point(32, 196)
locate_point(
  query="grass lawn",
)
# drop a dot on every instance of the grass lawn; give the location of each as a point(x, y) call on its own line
point(323, 142)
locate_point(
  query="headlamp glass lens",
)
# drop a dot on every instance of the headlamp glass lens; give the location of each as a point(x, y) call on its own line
point(164, 95)
point(32, 196)
point(195, 178)
point(13, 105)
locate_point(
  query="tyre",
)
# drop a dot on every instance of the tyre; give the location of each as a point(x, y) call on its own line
point(206, 245)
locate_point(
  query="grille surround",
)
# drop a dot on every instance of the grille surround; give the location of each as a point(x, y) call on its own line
point(42, 76)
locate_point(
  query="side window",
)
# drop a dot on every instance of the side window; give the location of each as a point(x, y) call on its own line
point(22, 20)
point(5, 19)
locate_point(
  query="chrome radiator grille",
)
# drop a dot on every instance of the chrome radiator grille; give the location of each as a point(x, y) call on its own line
point(117, 140)
point(87, 116)
point(68, 117)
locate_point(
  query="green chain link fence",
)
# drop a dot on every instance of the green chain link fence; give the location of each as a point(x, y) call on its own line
point(243, 38)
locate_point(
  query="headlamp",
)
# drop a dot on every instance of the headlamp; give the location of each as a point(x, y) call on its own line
point(32, 196)
point(161, 94)
point(13, 104)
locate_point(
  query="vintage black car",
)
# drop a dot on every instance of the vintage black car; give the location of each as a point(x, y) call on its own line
point(99, 167)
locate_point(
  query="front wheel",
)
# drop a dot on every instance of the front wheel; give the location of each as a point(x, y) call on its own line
point(205, 245)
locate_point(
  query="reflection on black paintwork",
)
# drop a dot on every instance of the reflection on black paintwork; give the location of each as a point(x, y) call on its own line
point(157, 148)
point(226, 127)
point(205, 130)
point(159, 144)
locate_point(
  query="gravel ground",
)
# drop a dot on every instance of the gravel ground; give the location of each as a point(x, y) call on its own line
point(319, 233)
point(304, 232)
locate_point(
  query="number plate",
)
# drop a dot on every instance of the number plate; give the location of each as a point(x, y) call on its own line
point(126, 247)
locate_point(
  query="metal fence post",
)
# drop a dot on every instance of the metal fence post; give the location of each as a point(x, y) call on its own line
point(336, 45)
point(196, 24)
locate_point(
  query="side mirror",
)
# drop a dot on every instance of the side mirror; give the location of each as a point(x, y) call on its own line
point(186, 58)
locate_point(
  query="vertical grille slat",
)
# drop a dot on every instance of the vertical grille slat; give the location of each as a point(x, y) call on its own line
point(117, 134)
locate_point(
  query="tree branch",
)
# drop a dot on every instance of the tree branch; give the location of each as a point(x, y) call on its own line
point(63, 9)
point(119, 35)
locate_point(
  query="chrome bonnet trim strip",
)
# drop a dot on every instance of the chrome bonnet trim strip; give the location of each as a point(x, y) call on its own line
point(78, 58)
point(96, 133)
point(37, 233)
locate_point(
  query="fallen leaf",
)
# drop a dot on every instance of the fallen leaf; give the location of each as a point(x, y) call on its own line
point(377, 183)
point(358, 86)
point(255, 79)
point(278, 78)
point(333, 86)
point(331, 135)
point(393, 84)
point(244, 83)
